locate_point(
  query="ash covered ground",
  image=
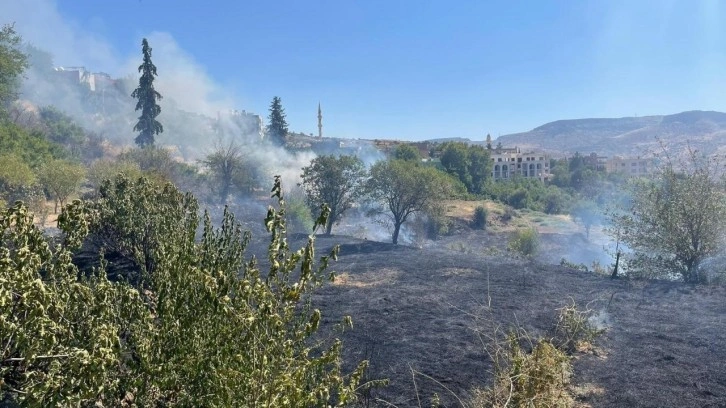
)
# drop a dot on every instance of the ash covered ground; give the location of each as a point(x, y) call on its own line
point(431, 309)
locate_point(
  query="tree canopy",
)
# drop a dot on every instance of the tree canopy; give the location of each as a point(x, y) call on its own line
point(277, 127)
point(675, 221)
point(335, 181)
point(407, 152)
point(61, 178)
point(228, 169)
point(469, 163)
point(403, 188)
point(13, 63)
point(147, 96)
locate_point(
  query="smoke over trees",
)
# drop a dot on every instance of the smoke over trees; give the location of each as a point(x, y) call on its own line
point(147, 126)
point(676, 221)
point(228, 169)
point(335, 181)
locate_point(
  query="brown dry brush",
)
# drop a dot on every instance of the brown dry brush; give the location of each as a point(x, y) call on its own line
point(535, 373)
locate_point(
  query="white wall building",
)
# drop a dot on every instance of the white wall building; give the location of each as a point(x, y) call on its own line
point(508, 163)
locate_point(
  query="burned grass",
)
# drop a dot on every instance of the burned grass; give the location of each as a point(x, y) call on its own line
point(430, 311)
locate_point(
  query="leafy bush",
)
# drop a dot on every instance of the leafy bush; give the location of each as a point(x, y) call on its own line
point(204, 327)
point(518, 198)
point(525, 242)
point(480, 218)
point(538, 378)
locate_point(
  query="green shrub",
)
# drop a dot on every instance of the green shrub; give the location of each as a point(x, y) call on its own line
point(480, 218)
point(525, 242)
point(518, 199)
point(204, 327)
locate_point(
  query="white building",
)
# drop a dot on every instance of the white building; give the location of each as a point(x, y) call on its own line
point(509, 163)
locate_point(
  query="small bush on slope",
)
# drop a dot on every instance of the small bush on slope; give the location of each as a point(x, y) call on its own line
point(540, 376)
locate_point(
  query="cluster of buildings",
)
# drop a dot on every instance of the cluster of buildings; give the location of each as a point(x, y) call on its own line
point(96, 81)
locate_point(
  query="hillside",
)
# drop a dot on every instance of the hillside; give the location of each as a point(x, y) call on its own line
point(704, 130)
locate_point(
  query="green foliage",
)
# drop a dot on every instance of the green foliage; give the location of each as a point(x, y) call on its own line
point(277, 129)
point(206, 327)
point(407, 152)
point(518, 198)
point(524, 193)
point(470, 164)
point(18, 182)
point(480, 218)
point(555, 201)
point(102, 170)
point(403, 188)
point(299, 217)
point(13, 63)
point(227, 167)
point(60, 128)
point(675, 221)
point(60, 335)
point(335, 181)
point(158, 164)
point(31, 146)
point(61, 178)
point(525, 242)
point(147, 96)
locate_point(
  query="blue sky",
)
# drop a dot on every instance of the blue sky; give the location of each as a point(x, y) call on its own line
point(427, 69)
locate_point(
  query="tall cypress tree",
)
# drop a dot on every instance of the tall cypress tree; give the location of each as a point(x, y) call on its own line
point(147, 126)
point(277, 128)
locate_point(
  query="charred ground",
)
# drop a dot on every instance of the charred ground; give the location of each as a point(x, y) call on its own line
point(431, 309)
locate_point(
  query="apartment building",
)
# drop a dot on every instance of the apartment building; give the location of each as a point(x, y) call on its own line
point(633, 167)
point(508, 163)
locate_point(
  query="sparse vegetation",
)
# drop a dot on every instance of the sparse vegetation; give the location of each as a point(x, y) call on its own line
point(525, 242)
point(480, 218)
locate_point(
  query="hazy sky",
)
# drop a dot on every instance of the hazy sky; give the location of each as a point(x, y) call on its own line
point(405, 69)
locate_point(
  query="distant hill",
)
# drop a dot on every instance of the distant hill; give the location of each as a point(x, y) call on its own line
point(702, 130)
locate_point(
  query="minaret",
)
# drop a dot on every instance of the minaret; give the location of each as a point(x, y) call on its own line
point(320, 122)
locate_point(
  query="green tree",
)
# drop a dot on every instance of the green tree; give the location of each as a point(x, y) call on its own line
point(228, 169)
point(147, 96)
point(470, 164)
point(407, 152)
point(277, 128)
point(61, 178)
point(13, 63)
point(335, 181)
point(403, 188)
point(675, 221)
point(62, 129)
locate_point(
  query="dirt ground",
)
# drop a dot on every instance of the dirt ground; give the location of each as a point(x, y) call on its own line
point(429, 310)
